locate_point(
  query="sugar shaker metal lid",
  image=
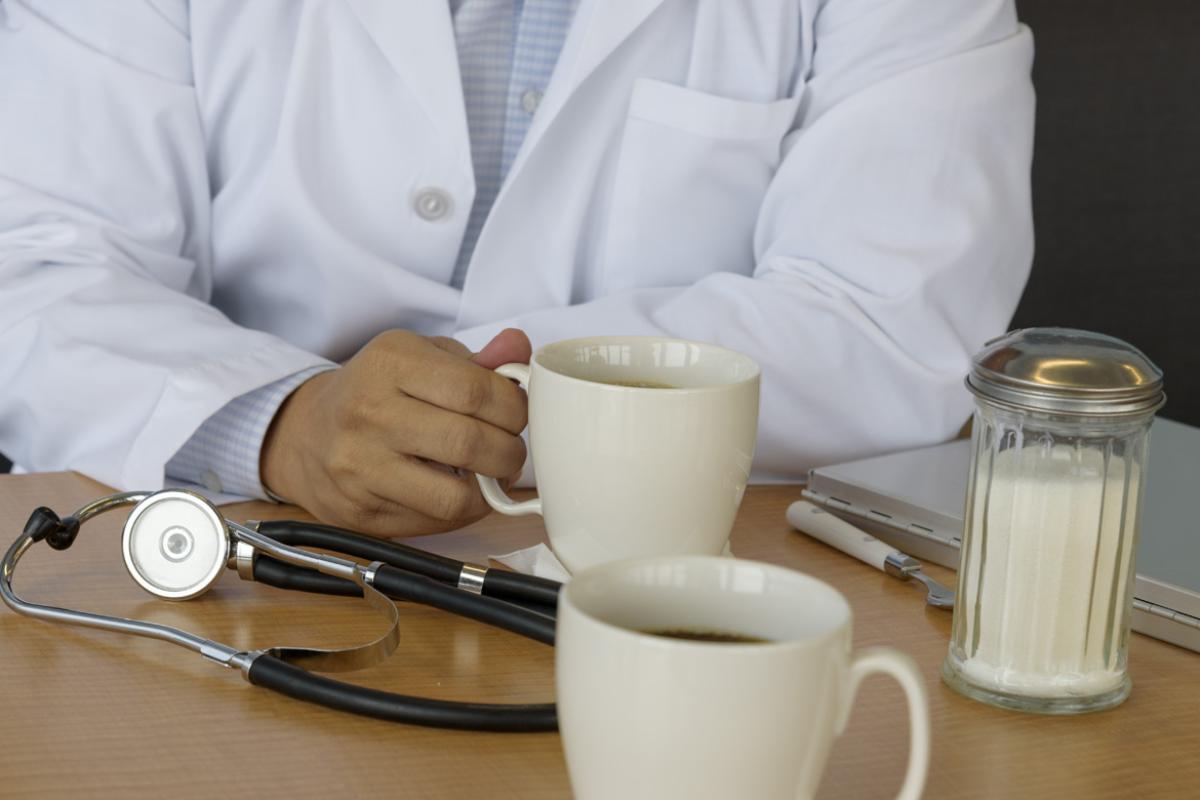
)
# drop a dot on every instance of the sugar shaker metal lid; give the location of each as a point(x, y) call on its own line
point(1066, 371)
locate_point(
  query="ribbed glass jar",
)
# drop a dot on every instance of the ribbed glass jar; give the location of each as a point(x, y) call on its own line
point(1061, 430)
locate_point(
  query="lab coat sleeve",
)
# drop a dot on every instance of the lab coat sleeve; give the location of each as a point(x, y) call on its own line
point(894, 240)
point(110, 355)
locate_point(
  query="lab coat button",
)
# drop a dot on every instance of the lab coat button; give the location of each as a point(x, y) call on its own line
point(432, 204)
point(211, 481)
point(530, 100)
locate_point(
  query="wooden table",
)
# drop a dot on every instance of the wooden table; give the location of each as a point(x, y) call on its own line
point(95, 714)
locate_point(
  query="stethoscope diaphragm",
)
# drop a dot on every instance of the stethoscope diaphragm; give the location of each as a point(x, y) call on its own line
point(175, 545)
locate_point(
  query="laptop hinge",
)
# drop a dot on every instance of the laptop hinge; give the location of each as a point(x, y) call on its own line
point(1166, 613)
point(878, 517)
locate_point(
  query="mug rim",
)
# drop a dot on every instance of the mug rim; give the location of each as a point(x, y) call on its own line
point(754, 376)
point(599, 572)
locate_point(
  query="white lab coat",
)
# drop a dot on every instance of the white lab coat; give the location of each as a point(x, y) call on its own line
point(196, 200)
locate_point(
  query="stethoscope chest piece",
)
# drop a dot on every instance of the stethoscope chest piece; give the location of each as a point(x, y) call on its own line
point(175, 545)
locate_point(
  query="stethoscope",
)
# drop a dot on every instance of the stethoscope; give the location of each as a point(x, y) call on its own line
point(176, 545)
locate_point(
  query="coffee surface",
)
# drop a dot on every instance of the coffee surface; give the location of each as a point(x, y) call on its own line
point(716, 637)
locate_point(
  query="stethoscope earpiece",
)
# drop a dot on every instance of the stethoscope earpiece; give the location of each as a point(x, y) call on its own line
point(175, 545)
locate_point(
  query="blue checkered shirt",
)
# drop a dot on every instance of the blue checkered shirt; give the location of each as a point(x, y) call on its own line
point(507, 50)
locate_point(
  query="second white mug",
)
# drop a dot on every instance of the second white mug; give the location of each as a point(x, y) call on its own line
point(658, 700)
point(642, 445)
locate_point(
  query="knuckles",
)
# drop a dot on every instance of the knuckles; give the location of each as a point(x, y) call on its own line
point(394, 341)
point(467, 396)
point(382, 353)
point(463, 443)
point(342, 461)
point(451, 346)
point(467, 445)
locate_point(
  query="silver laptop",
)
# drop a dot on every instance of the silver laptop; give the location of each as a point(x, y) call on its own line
point(914, 501)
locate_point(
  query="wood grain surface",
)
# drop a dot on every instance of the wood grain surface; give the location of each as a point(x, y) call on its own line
point(94, 714)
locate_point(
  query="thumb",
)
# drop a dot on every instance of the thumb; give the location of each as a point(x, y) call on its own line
point(507, 347)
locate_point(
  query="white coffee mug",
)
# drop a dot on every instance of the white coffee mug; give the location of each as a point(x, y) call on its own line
point(649, 716)
point(636, 470)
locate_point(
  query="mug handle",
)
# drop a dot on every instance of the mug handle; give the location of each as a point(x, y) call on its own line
point(495, 496)
point(901, 667)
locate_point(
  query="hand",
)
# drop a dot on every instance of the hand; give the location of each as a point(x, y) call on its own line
point(372, 445)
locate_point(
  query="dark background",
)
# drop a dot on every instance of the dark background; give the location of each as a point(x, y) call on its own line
point(1116, 179)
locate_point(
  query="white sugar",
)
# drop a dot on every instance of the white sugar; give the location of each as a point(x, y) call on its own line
point(1045, 589)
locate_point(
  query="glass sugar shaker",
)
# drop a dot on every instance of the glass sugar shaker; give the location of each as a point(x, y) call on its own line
point(1058, 457)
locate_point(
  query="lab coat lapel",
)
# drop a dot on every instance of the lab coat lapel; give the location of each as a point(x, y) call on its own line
point(417, 39)
point(599, 29)
point(490, 291)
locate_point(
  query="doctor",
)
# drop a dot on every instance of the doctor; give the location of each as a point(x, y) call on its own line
point(206, 208)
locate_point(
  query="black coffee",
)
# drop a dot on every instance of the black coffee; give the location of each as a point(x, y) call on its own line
point(716, 637)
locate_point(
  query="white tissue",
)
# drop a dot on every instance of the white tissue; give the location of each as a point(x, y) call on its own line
point(538, 560)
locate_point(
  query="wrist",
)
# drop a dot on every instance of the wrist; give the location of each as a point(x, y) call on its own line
point(280, 459)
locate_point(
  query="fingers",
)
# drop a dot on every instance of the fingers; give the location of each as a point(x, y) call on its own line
point(511, 480)
point(452, 346)
point(355, 445)
point(429, 489)
point(433, 433)
point(361, 484)
point(378, 516)
point(444, 379)
point(507, 347)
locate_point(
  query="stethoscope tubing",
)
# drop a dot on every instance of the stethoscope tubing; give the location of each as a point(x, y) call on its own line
point(521, 604)
point(399, 584)
point(396, 572)
point(539, 594)
point(278, 675)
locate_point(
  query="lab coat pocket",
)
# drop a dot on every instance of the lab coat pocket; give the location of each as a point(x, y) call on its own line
point(690, 177)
